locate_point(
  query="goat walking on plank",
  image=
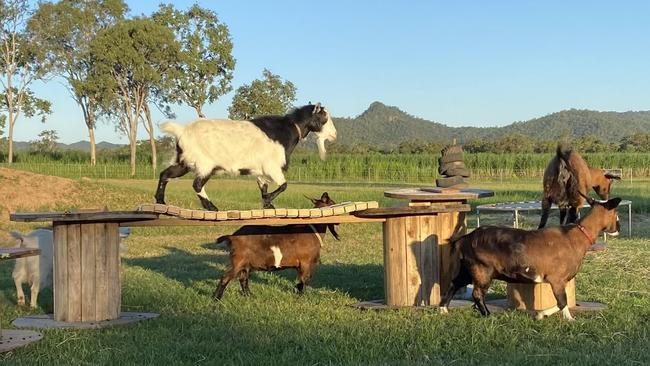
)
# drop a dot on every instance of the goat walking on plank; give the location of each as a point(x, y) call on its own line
point(568, 168)
point(271, 248)
point(260, 147)
point(552, 255)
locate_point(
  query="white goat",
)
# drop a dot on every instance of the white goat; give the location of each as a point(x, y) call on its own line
point(260, 147)
point(35, 270)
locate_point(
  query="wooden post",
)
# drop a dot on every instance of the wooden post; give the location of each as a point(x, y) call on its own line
point(87, 283)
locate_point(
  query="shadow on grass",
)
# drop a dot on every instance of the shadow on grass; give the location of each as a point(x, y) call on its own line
point(360, 281)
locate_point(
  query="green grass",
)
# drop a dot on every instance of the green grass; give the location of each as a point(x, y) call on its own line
point(173, 271)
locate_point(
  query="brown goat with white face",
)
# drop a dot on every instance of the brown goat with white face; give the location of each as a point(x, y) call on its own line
point(568, 168)
point(552, 255)
point(272, 248)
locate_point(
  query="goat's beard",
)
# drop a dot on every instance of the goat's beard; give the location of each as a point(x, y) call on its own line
point(321, 148)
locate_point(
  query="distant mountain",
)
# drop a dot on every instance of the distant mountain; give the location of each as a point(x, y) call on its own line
point(382, 125)
point(386, 126)
point(79, 145)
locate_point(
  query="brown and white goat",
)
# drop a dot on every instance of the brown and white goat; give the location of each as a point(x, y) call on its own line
point(552, 255)
point(271, 248)
point(568, 168)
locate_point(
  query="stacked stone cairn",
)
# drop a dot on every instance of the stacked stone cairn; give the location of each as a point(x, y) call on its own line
point(452, 168)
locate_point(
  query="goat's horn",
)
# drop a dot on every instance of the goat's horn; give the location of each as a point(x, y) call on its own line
point(316, 108)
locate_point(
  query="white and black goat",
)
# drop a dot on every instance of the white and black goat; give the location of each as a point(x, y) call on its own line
point(260, 147)
point(271, 248)
point(552, 255)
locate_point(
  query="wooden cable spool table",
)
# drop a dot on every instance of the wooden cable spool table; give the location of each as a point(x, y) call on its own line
point(416, 242)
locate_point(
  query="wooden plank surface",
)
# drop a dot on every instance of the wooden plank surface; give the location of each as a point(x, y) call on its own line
point(60, 272)
point(426, 194)
point(172, 221)
point(14, 253)
point(412, 256)
point(101, 274)
point(74, 273)
point(88, 257)
point(394, 270)
point(113, 270)
point(430, 276)
point(103, 216)
point(411, 210)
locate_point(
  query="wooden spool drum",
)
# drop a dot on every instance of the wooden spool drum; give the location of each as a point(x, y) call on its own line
point(417, 265)
point(416, 249)
point(87, 283)
point(537, 296)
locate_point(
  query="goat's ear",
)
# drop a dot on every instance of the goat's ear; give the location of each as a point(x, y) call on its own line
point(613, 203)
point(316, 108)
point(611, 176)
point(590, 200)
point(324, 196)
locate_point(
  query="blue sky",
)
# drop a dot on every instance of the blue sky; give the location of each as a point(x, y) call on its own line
point(462, 63)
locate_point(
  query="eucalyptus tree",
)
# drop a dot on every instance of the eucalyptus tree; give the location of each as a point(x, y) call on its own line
point(21, 63)
point(131, 58)
point(205, 61)
point(269, 95)
point(64, 31)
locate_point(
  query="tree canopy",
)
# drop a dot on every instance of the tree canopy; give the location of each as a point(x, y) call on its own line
point(270, 95)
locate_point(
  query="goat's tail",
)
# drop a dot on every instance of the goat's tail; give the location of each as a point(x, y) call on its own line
point(567, 174)
point(172, 128)
point(223, 242)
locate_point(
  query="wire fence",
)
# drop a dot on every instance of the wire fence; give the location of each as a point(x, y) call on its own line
point(309, 174)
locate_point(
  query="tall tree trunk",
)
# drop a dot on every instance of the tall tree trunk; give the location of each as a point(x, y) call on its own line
point(152, 140)
point(93, 149)
point(133, 142)
point(10, 138)
point(199, 111)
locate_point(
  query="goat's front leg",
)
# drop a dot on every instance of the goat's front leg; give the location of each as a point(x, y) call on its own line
point(278, 178)
point(546, 210)
point(560, 297)
point(573, 215)
point(36, 286)
point(304, 274)
point(20, 295)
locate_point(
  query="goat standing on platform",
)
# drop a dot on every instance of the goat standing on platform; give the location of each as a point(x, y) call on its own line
point(552, 255)
point(260, 147)
point(271, 248)
point(568, 168)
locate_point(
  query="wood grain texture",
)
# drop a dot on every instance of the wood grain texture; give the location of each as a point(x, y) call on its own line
point(395, 247)
point(74, 273)
point(88, 256)
point(60, 275)
point(537, 296)
point(114, 283)
point(101, 274)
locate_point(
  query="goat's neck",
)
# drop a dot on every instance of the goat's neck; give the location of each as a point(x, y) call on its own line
point(593, 224)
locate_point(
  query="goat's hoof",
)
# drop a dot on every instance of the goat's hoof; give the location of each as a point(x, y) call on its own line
point(20, 302)
point(539, 316)
point(268, 206)
point(444, 310)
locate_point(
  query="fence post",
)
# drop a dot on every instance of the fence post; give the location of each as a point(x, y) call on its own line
point(104, 172)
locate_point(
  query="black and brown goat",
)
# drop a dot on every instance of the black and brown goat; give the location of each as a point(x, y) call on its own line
point(568, 168)
point(271, 248)
point(552, 255)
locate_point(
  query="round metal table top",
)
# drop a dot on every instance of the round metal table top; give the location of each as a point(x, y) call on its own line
point(438, 194)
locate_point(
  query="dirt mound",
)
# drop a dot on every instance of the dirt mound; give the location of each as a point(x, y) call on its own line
point(26, 191)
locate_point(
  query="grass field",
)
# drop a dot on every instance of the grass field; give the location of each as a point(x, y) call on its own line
point(173, 271)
